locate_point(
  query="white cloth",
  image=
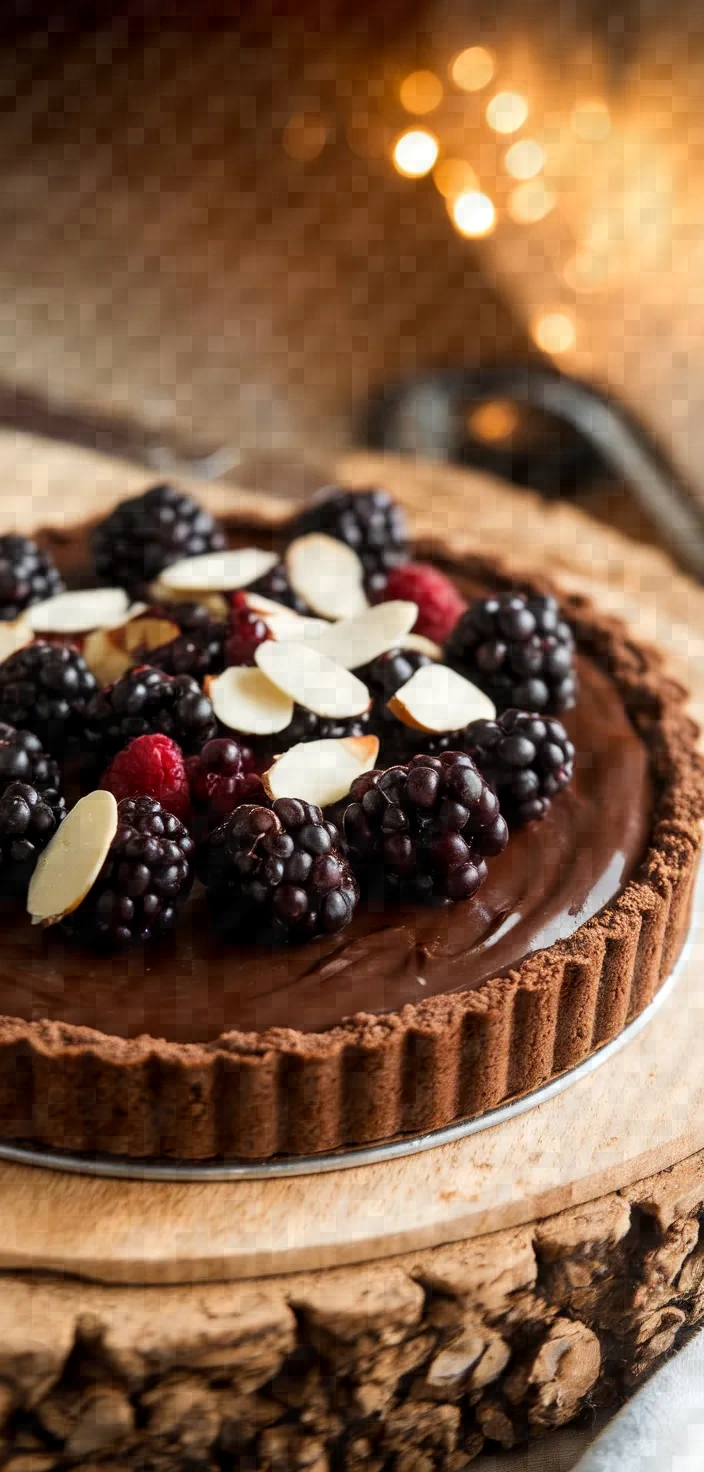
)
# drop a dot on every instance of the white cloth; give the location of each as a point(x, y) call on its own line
point(660, 1430)
point(662, 1427)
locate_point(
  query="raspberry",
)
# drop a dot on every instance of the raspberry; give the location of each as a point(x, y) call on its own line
point(23, 759)
point(151, 766)
point(528, 760)
point(439, 602)
point(279, 873)
point(429, 825)
point(146, 533)
point(27, 575)
point(370, 522)
point(28, 819)
point(518, 650)
point(222, 777)
point(146, 875)
point(246, 631)
point(144, 702)
point(46, 688)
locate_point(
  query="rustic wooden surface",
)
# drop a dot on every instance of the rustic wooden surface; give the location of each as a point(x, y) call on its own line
point(416, 1363)
point(417, 1360)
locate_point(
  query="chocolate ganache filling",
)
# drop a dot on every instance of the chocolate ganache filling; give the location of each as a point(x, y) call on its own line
point(552, 877)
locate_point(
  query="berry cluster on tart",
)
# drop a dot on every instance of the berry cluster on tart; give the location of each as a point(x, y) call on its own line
point(311, 838)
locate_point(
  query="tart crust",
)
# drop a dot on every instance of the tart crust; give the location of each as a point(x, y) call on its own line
point(376, 1077)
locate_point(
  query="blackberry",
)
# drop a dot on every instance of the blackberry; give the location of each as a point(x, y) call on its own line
point(222, 777)
point(145, 877)
point(275, 585)
point(146, 533)
point(28, 819)
point(146, 701)
point(519, 650)
point(370, 522)
point(383, 677)
point(198, 652)
point(27, 575)
point(46, 689)
point(23, 759)
point(528, 760)
point(245, 632)
point(306, 726)
point(279, 873)
point(429, 826)
point(190, 617)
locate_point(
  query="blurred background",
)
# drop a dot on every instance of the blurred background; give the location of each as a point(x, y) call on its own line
point(241, 238)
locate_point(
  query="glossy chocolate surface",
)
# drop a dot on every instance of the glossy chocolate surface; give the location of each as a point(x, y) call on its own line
point(552, 877)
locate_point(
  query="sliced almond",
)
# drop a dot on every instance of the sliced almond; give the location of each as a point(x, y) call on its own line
point(321, 771)
point(421, 645)
point(259, 604)
point(146, 633)
point(219, 572)
point(110, 652)
point(313, 680)
point(215, 603)
point(327, 574)
point(14, 634)
point(71, 862)
point(283, 622)
point(436, 698)
point(79, 612)
point(353, 642)
point(302, 630)
point(245, 700)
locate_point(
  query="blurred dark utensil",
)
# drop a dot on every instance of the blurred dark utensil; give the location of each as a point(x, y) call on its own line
point(540, 428)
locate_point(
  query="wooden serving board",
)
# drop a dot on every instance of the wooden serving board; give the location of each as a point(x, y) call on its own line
point(639, 1113)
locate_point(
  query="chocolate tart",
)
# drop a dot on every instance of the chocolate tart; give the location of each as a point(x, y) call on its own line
point(409, 1020)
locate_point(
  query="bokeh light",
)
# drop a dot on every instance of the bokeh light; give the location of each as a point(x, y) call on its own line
point(473, 69)
point(589, 270)
point(473, 213)
point(507, 112)
point(421, 92)
point(494, 421)
point(305, 136)
point(524, 159)
point(415, 153)
point(530, 202)
point(554, 332)
point(453, 176)
point(591, 120)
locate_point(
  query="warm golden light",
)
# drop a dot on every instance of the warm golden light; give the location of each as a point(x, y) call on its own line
point(421, 92)
point(591, 120)
point(507, 112)
point(305, 136)
point(530, 202)
point(493, 421)
point(524, 159)
point(473, 69)
point(453, 176)
point(473, 213)
point(554, 332)
point(415, 153)
point(589, 270)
